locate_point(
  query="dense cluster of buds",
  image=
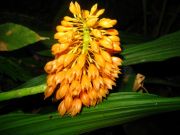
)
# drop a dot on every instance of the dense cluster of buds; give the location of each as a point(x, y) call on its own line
point(84, 69)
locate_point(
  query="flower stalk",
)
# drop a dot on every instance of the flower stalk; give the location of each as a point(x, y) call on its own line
point(21, 92)
point(86, 38)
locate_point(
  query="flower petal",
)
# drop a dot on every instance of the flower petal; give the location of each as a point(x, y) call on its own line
point(72, 8)
point(107, 23)
point(93, 9)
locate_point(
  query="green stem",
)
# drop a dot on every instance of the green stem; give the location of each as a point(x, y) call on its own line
point(22, 92)
point(86, 38)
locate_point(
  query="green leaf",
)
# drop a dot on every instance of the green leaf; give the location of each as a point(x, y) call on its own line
point(157, 50)
point(14, 36)
point(39, 80)
point(173, 82)
point(131, 38)
point(13, 69)
point(46, 53)
point(50, 34)
point(120, 108)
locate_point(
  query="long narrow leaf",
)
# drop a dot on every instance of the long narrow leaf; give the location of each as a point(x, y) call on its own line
point(157, 50)
point(120, 107)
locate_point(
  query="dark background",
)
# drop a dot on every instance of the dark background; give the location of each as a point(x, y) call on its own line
point(148, 18)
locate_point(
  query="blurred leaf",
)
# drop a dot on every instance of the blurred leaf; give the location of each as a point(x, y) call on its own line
point(157, 50)
point(50, 35)
point(34, 82)
point(120, 108)
point(45, 53)
point(174, 81)
point(23, 19)
point(126, 80)
point(14, 36)
point(131, 38)
point(13, 69)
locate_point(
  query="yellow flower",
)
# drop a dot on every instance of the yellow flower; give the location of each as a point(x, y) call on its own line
point(84, 68)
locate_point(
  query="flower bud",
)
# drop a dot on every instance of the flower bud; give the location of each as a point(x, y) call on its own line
point(91, 21)
point(100, 12)
point(69, 58)
point(85, 83)
point(112, 32)
point(48, 92)
point(116, 46)
point(117, 61)
point(62, 108)
point(107, 23)
point(106, 56)
point(61, 92)
point(97, 82)
point(99, 60)
point(68, 101)
point(94, 46)
point(92, 71)
point(76, 107)
point(114, 38)
point(85, 13)
point(97, 33)
point(93, 9)
point(108, 82)
point(106, 42)
point(72, 8)
point(81, 60)
point(49, 67)
point(85, 98)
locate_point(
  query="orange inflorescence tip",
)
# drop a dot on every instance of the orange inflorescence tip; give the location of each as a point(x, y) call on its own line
point(84, 68)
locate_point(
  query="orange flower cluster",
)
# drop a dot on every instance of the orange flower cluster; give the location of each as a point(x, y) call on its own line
point(84, 69)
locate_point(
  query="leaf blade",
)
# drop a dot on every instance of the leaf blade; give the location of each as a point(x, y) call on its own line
point(120, 108)
point(15, 36)
point(156, 50)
